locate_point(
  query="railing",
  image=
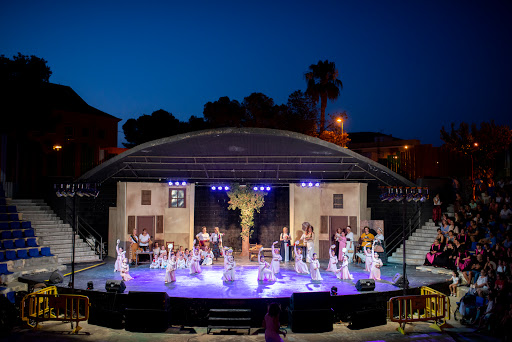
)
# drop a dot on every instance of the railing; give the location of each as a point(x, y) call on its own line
point(47, 305)
point(91, 237)
point(394, 239)
point(431, 307)
point(425, 290)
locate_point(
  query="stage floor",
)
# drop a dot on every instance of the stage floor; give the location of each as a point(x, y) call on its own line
point(209, 284)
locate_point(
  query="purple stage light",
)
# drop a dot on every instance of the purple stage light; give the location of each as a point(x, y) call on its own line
point(303, 185)
point(310, 184)
point(262, 188)
point(226, 188)
point(268, 188)
point(214, 188)
point(183, 183)
point(255, 188)
point(317, 184)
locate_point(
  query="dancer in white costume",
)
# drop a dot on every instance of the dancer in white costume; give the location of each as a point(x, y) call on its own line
point(170, 271)
point(376, 264)
point(368, 259)
point(264, 270)
point(350, 244)
point(276, 258)
point(343, 272)
point(309, 239)
point(194, 262)
point(229, 265)
point(208, 257)
point(121, 254)
point(300, 265)
point(333, 260)
point(314, 266)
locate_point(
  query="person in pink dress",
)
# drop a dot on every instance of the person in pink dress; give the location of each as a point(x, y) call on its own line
point(276, 259)
point(343, 273)
point(376, 264)
point(265, 272)
point(120, 257)
point(333, 260)
point(368, 259)
point(194, 267)
point(300, 265)
point(342, 240)
point(314, 267)
point(271, 324)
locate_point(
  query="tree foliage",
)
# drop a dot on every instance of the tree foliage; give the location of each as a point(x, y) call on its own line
point(323, 84)
point(482, 143)
point(248, 202)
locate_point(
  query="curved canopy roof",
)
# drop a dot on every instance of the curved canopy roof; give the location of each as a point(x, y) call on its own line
point(244, 155)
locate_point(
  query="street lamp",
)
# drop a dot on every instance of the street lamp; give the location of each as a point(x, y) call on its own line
point(340, 121)
point(475, 145)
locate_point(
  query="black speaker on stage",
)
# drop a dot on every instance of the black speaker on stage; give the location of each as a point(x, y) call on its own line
point(398, 280)
point(311, 321)
point(368, 318)
point(310, 301)
point(113, 285)
point(147, 312)
point(365, 285)
point(56, 278)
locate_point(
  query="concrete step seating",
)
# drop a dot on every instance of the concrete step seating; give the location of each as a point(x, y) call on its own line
point(417, 245)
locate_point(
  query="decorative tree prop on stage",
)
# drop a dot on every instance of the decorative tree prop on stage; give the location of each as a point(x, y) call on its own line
point(248, 201)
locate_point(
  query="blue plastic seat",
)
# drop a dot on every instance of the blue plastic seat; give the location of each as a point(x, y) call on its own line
point(4, 225)
point(14, 217)
point(15, 225)
point(19, 243)
point(10, 254)
point(45, 251)
point(17, 234)
point(32, 242)
point(11, 209)
point(2, 201)
point(2, 255)
point(3, 208)
point(26, 224)
point(34, 253)
point(8, 244)
point(4, 270)
point(29, 233)
point(4, 217)
point(6, 234)
point(22, 254)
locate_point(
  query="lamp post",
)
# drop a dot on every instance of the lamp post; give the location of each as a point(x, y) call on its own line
point(340, 121)
point(475, 145)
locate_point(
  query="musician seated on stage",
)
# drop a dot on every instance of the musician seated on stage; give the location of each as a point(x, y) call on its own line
point(204, 238)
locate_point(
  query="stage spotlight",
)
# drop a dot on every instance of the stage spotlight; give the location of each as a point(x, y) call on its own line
point(268, 188)
point(176, 183)
point(303, 184)
point(262, 188)
point(334, 291)
point(171, 183)
point(90, 285)
point(214, 188)
point(226, 188)
point(255, 188)
point(317, 184)
point(183, 183)
point(310, 184)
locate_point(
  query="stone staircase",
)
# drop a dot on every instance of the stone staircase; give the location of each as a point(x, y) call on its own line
point(417, 245)
point(52, 232)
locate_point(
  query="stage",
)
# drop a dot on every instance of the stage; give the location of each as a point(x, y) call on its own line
point(192, 296)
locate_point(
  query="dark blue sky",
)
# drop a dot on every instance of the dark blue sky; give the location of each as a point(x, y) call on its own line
point(408, 67)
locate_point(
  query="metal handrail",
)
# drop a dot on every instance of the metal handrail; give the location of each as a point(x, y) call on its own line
point(394, 239)
point(98, 246)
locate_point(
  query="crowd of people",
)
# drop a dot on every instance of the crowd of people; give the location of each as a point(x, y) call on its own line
point(476, 243)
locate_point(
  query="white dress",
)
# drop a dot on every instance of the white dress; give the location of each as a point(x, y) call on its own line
point(265, 272)
point(170, 271)
point(333, 264)
point(194, 265)
point(276, 258)
point(208, 259)
point(300, 265)
point(344, 272)
point(350, 246)
point(314, 266)
point(181, 263)
point(119, 261)
point(229, 269)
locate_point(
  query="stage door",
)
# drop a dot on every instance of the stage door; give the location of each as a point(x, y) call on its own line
point(328, 227)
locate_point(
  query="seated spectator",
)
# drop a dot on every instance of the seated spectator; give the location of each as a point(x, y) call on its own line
point(505, 213)
point(447, 258)
point(440, 237)
point(464, 239)
point(482, 286)
point(508, 241)
point(451, 236)
point(435, 250)
point(472, 205)
point(493, 207)
point(445, 227)
point(476, 267)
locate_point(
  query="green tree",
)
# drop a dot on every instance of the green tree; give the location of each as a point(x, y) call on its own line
point(301, 113)
point(145, 128)
point(323, 84)
point(248, 202)
point(224, 113)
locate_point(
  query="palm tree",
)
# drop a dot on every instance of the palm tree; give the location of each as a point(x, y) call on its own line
point(323, 84)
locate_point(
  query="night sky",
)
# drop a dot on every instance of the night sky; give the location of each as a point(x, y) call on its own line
point(408, 67)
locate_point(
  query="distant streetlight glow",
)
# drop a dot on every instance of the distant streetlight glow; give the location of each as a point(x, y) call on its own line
point(57, 147)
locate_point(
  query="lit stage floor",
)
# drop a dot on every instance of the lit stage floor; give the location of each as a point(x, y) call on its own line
point(209, 284)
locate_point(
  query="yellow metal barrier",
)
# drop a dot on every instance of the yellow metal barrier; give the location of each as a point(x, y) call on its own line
point(407, 309)
point(425, 290)
point(47, 305)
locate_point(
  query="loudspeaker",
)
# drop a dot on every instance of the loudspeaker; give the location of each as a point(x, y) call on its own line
point(105, 317)
point(310, 301)
point(148, 300)
point(146, 320)
point(56, 277)
point(113, 285)
point(365, 285)
point(398, 280)
point(368, 318)
point(311, 321)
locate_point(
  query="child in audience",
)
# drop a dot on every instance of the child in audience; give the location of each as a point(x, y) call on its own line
point(181, 261)
point(455, 283)
point(276, 258)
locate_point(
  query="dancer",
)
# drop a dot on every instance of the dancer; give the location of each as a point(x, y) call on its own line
point(125, 269)
point(343, 273)
point(276, 258)
point(300, 265)
point(155, 263)
point(134, 245)
point(229, 265)
point(350, 244)
point(376, 264)
point(314, 265)
point(195, 268)
point(207, 257)
point(368, 259)
point(120, 257)
point(285, 245)
point(170, 271)
point(165, 261)
point(264, 270)
point(342, 241)
point(333, 260)
point(216, 240)
point(309, 238)
point(181, 261)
